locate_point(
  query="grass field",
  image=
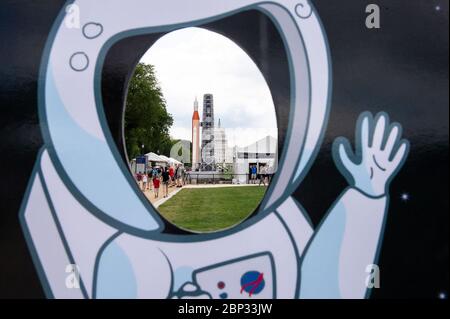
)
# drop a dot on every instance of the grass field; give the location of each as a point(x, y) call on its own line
point(211, 209)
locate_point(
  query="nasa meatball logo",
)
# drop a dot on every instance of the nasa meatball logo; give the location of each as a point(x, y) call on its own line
point(123, 250)
point(252, 282)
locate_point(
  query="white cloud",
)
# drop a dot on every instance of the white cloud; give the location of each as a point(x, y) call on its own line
point(193, 61)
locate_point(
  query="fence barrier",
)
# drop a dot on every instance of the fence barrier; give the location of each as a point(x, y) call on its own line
point(222, 178)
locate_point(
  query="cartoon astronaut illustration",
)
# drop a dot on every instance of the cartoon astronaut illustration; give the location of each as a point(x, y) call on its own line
point(116, 238)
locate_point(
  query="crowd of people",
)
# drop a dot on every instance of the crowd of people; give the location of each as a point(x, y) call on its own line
point(176, 176)
point(153, 177)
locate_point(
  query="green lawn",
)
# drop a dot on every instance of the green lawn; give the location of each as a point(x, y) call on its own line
point(211, 209)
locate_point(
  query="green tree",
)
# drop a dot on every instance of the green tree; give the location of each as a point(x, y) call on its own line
point(147, 121)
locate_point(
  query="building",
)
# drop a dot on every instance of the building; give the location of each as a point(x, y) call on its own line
point(207, 150)
point(261, 153)
point(195, 137)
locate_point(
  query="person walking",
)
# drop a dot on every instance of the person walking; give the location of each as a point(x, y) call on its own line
point(177, 175)
point(155, 171)
point(144, 181)
point(172, 175)
point(165, 180)
point(183, 176)
point(262, 176)
point(149, 178)
point(139, 179)
point(156, 182)
point(254, 172)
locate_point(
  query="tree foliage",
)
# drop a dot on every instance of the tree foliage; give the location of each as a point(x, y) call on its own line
point(147, 121)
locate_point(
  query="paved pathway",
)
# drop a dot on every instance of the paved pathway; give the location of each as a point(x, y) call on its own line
point(151, 195)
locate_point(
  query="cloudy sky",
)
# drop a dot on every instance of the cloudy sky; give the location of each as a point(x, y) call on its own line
point(193, 61)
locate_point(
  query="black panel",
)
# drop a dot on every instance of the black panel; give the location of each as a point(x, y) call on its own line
point(401, 69)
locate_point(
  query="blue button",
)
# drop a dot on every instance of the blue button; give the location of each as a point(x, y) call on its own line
point(223, 295)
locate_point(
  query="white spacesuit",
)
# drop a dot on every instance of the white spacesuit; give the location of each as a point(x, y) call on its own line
point(114, 236)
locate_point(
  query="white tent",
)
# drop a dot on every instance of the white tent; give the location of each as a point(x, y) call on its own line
point(152, 157)
point(174, 161)
point(170, 160)
point(165, 158)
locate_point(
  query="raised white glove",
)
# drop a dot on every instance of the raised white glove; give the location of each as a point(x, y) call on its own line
point(380, 153)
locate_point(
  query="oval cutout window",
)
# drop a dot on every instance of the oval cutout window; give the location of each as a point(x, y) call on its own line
point(200, 130)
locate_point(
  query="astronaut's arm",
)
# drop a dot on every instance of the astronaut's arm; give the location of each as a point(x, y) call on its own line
point(345, 244)
point(338, 261)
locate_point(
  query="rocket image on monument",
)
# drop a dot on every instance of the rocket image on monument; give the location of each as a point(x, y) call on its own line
point(195, 137)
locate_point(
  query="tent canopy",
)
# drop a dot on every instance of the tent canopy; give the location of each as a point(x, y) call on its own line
point(165, 158)
point(174, 161)
point(152, 157)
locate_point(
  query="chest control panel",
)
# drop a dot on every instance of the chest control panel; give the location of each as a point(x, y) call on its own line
point(248, 277)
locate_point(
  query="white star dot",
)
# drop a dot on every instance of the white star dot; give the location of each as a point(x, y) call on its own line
point(405, 197)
